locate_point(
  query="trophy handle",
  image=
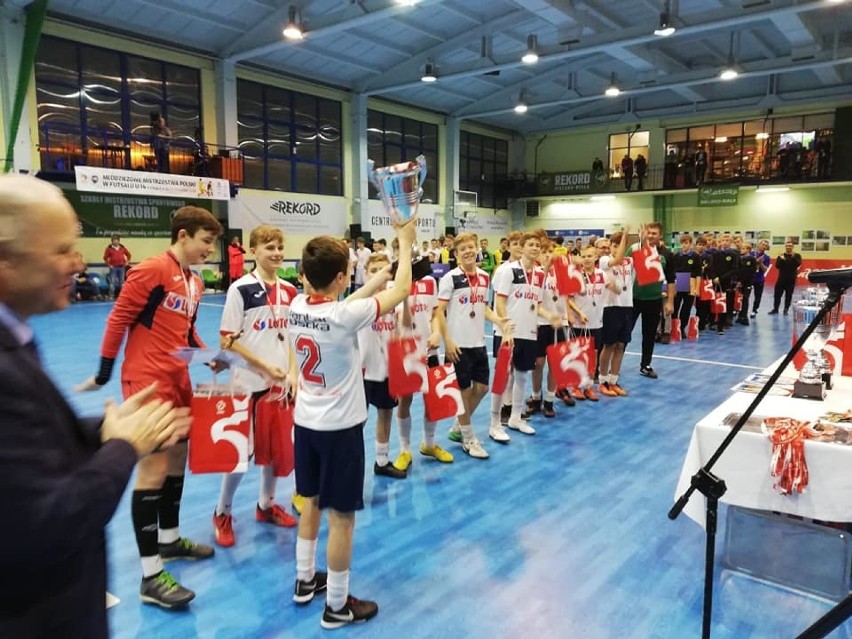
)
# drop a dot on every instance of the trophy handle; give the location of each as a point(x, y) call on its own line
point(421, 160)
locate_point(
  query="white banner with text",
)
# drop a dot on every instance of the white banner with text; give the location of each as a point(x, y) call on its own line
point(106, 180)
point(293, 213)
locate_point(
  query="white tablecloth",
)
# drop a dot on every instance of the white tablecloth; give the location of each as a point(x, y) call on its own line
point(745, 464)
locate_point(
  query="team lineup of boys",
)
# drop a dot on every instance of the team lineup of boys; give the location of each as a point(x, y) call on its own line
point(330, 351)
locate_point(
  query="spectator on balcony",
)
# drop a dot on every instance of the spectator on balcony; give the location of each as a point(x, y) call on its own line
point(689, 170)
point(641, 168)
point(670, 173)
point(700, 165)
point(627, 171)
point(823, 151)
point(117, 257)
point(161, 139)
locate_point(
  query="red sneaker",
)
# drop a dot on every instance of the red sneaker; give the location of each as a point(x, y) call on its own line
point(223, 530)
point(606, 389)
point(276, 515)
point(590, 394)
point(618, 390)
point(578, 394)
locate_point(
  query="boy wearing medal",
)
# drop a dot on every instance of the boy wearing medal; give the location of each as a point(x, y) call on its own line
point(547, 335)
point(254, 326)
point(589, 303)
point(156, 310)
point(519, 291)
point(462, 311)
point(617, 322)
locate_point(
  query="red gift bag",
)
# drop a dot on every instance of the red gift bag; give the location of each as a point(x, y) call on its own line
point(219, 434)
point(501, 369)
point(706, 292)
point(719, 305)
point(692, 328)
point(571, 361)
point(646, 262)
point(273, 432)
point(569, 279)
point(407, 369)
point(444, 398)
point(675, 334)
point(738, 301)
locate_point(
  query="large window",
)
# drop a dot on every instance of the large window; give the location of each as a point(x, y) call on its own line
point(788, 147)
point(290, 141)
point(631, 144)
point(483, 163)
point(95, 107)
point(392, 139)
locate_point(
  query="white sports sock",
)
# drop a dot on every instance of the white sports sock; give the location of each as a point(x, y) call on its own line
point(152, 566)
point(613, 379)
point(507, 394)
point(519, 389)
point(168, 535)
point(429, 429)
point(306, 554)
point(268, 481)
point(549, 396)
point(404, 433)
point(467, 432)
point(536, 395)
point(382, 451)
point(496, 405)
point(338, 589)
point(230, 482)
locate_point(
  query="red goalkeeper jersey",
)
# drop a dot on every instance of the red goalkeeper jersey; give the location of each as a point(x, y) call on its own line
point(157, 309)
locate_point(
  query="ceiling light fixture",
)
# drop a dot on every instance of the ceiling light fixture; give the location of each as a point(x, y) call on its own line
point(531, 56)
point(772, 189)
point(730, 71)
point(613, 90)
point(666, 27)
point(601, 198)
point(429, 73)
point(522, 106)
point(293, 30)
point(407, 3)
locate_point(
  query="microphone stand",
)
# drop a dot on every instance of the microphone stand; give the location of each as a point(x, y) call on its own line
point(713, 488)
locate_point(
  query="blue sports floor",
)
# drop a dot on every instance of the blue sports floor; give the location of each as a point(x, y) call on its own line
point(559, 535)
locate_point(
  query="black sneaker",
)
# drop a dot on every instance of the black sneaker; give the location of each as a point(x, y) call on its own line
point(774, 311)
point(753, 314)
point(304, 591)
point(647, 371)
point(567, 398)
point(533, 405)
point(786, 311)
point(389, 470)
point(353, 611)
point(163, 590)
point(183, 548)
point(666, 338)
point(549, 411)
point(505, 413)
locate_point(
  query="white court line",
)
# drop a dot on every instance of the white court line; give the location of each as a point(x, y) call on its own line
point(699, 361)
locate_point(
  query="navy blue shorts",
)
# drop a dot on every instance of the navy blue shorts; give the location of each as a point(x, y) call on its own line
point(617, 325)
point(472, 367)
point(377, 394)
point(330, 466)
point(545, 338)
point(524, 353)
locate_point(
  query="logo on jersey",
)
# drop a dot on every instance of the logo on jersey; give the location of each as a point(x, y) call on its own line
point(274, 324)
point(465, 299)
point(383, 325)
point(178, 304)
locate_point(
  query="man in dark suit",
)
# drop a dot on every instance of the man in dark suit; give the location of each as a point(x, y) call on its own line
point(62, 476)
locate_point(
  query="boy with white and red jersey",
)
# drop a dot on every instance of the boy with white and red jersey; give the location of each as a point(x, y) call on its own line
point(501, 403)
point(461, 314)
point(418, 316)
point(554, 304)
point(617, 314)
point(373, 346)
point(589, 302)
point(156, 310)
point(519, 290)
point(330, 412)
point(254, 326)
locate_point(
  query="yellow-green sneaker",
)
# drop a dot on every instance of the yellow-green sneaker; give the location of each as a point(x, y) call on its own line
point(436, 452)
point(298, 503)
point(403, 460)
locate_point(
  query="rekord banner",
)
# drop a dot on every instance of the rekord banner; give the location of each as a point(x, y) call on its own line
point(293, 213)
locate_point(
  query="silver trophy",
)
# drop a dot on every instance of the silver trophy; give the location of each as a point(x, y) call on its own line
point(400, 186)
point(815, 375)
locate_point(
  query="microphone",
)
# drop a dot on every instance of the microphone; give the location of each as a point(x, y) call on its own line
point(834, 278)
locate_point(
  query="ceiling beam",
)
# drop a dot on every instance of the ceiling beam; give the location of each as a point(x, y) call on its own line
point(728, 18)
